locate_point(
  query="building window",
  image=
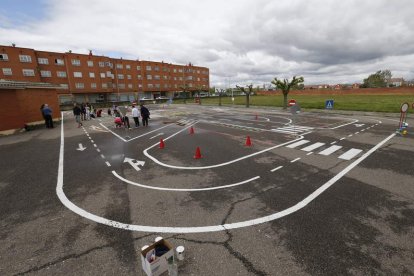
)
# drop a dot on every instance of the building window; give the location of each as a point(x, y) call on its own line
point(28, 72)
point(156, 68)
point(77, 74)
point(91, 74)
point(139, 77)
point(149, 77)
point(102, 75)
point(139, 85)
point(90, 63)
point(76, 62)
point(121, 85)
point(150, 85)
point(45, 74)
point(175, 70)
point(25, 58)
point(101, 64)
point(108, 63)
point(175, 78)
point(64, 85)
point(180, 78)
point(79, 85)
point(119, 66)
point(43, 61)
point(165, 69)
point(129, 77)
point(93, 85)
point(165, 85)
point(7, 71)
point(165, 77)
point(156, 77)
point(180, 70)
point(198, 79)
point(59, 61)
point(120, 76)
point(190, 78)
point(148, 67)
point(130, 86)
point(4, 57)
point(104, 85)
point(138, 67)
point(61, 74)
point(157, 85)
point(128, 66)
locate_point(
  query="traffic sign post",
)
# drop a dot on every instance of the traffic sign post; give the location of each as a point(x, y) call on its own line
point(295, 110)
point(329, 104)
point(403, 117)
point(291, 102)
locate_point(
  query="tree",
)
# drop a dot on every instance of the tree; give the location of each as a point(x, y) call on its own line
point(285, 86)
point(378, 79)
point(220, 92)
point(246, 90)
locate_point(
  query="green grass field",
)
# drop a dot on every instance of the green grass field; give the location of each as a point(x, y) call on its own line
point(376, 103)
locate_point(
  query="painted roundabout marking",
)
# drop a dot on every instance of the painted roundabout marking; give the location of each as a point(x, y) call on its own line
point(202, 229)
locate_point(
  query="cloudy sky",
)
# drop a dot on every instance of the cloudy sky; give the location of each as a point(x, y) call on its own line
point(241, 41)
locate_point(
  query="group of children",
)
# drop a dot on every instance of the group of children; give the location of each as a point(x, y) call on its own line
point(121, 118)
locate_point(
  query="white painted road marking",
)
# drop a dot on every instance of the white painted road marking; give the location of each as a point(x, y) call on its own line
point(313, 146)
point(334, 142)
point(309, 153)
point(275, 169)
point(330, 150)
point(297, 144)
point(81, 147)
point(350, 154)
point(159, 134)
point(107, 163)
point(161, 229)
point(294, 160)
point(134, 163)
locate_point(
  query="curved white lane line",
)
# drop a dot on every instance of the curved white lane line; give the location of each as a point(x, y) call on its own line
point(156, 229)
point(183, 190)
point(216, 165)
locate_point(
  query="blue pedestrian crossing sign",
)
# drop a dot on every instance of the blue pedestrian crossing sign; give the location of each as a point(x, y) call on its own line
point(329, 104)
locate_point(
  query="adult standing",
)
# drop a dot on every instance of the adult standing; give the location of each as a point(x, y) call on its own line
point(43, 115)
point(77, 111)
point(135, 115)
point(47, 112)
point(145, 115)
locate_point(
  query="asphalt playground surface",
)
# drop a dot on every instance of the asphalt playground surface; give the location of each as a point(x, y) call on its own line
point(317, 193)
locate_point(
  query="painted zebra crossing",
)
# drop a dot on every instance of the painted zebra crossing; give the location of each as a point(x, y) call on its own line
point(292, 129)
point(348, 155)
point(183, 122)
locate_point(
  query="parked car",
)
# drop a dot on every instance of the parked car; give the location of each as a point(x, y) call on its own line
point(162, 98)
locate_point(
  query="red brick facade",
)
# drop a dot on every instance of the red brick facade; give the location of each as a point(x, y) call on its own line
point(100, 78)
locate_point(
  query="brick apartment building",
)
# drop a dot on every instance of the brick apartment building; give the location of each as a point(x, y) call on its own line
point(29, 78)
point(91, 78)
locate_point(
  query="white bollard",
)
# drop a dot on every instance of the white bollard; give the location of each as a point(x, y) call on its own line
point(180, 252)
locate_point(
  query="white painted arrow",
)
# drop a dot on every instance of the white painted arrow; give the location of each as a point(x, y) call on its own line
point(81, 147)
point(96, 128)
point(359, 125)
point(134, 163)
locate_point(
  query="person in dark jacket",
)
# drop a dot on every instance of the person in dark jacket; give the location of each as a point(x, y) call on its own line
point(77, 111)
point(145, 114)
point(43, 115)
point(47, 112)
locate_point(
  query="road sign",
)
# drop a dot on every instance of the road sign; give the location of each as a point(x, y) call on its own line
point(329, 104)
point(404, 107)
point(291, 102)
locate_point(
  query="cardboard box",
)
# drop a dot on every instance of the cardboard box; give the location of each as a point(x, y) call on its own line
point(158, 265)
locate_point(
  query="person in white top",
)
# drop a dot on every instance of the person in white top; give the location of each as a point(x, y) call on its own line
point(135, 115)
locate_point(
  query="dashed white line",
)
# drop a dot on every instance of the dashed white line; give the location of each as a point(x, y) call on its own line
point(98, 150)
point(334, 142)
point(275, 169)
point(107, 163)
point(350, 135)
point(294, 160)
point(309, 153)
point(103, 156)
point(95, 145)
point(92, 141)
point(357, 132)
point(342, 138)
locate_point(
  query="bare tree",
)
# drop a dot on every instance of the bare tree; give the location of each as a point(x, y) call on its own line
point(285, 86)
point(246, 90)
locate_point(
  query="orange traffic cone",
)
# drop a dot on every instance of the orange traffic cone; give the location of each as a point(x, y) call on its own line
point(248, 142)
point(197, 153)
point(162, 145)
point(191, 130)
